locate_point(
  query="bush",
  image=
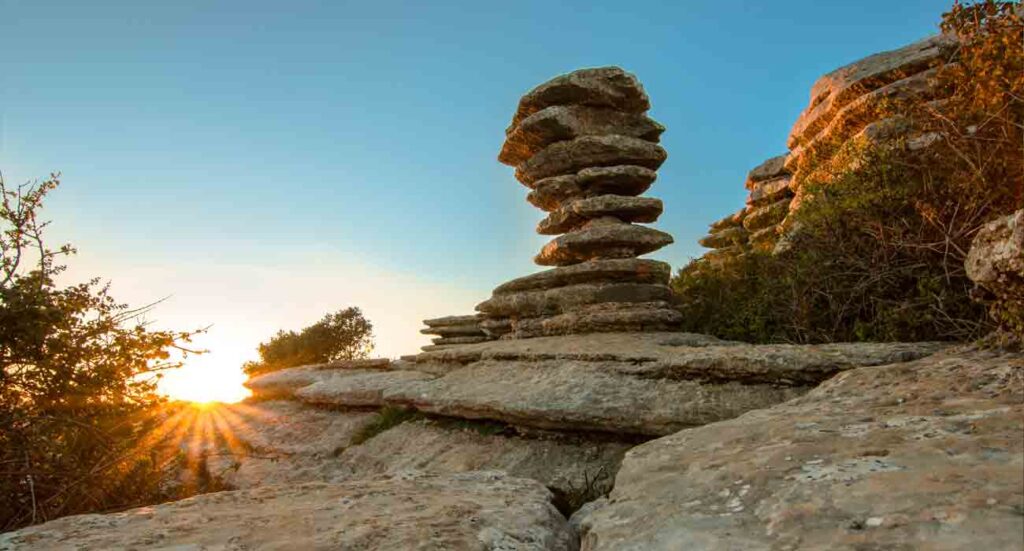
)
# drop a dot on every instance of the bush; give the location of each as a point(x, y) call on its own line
point(77, 383)
point(877, 248)
point(343, 335)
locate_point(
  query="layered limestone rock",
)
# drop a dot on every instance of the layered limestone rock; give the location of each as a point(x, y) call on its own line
point(586, 149)
point(757, 224)
point(453, 330)
point(919, 455)
point(478, 510)
point(628, 383)
point(863, 102)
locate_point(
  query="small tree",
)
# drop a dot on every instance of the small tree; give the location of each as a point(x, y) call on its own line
point(77, 381)
point(343, 335)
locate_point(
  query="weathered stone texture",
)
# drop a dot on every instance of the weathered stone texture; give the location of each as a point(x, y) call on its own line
point(602, 240)
point(920, 455)
point(478, 510)
point(588, 151)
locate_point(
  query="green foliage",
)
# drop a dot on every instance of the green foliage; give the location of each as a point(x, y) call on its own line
point(877, 247)
point(388, 418)
point(77, 382)
point(343, 335)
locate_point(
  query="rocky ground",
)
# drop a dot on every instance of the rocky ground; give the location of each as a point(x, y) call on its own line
point(644, 440)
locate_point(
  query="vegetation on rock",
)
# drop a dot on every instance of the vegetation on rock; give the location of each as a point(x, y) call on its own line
point(342, 335)
point(876, 249)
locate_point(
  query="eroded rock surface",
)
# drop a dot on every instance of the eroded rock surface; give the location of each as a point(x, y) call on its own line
point(925, 454)
point(478, 510)
point(565, 463)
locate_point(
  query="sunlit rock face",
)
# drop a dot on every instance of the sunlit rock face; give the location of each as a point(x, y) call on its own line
point(844, 110)
point(583, 144)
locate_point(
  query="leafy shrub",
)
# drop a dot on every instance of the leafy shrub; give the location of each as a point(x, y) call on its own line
point(77, 383)
point(877, 246)
point(343, 335)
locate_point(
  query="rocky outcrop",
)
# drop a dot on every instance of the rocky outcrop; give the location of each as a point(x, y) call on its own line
point(452, 330)
point(995, 263)
point(862, 102)
point(564, 464)
point(631, 383)
point(586, 149)
point(479, 510)
point(926, 454)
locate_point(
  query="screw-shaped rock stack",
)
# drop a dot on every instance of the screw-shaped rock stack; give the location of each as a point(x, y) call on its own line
point(583, 145)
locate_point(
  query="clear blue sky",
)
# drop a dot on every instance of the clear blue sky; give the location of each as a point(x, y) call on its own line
point(233, 137)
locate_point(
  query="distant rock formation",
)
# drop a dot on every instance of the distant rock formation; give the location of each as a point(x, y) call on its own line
point(844, 109)
point(454, 330)
point(583, 145)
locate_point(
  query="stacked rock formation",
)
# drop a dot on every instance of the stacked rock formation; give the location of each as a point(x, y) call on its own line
point(583, 145)
point(859, 103)
point(756, 225)
point(453, 330)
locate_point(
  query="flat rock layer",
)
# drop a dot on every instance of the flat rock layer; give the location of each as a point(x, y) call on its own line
point(604, 317)
point(478, 511)
point(623, 270)
point(921, 455)
point(561, 299)
point(357, 390)
point(604, 240)
point(578, 395)
point(565, 464)
point(572, 156)
point(566, 122)
point(573, 215)
point(600, 87)
point(549, 194)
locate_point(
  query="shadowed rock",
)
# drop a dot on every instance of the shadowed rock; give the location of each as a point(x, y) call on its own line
point(566, 122)
point(623, 270)
point(599, 87)
point(604, 240)
point(589, 151)
point(575, 214)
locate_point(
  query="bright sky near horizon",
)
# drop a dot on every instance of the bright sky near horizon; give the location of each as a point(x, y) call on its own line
point(262, 163)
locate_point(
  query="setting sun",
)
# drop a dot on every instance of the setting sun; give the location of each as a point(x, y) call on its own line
point(205, 382)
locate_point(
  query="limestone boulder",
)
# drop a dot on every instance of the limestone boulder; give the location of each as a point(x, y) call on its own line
point(996, 258)
point(569, 157)
point(566, 122)
point(921, 455)
point(619, 270)
point(609, 87)
point(461, 340)
point(285, 381)
point(602, 240)
point(564, 463)
point(477, 511)
point(573, 215)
